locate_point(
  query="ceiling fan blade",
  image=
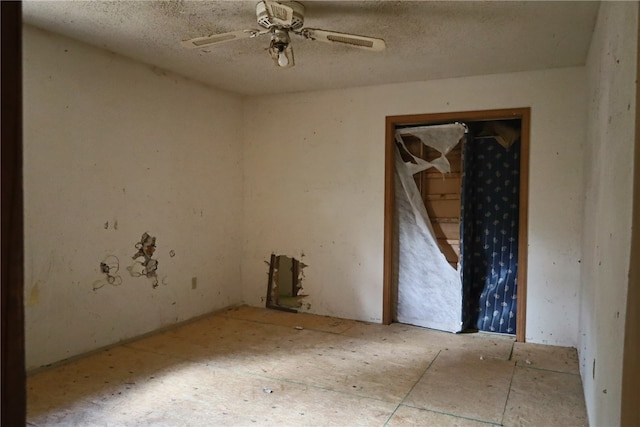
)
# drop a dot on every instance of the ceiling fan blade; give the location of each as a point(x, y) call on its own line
point(363, 42)
point(279, 13)
point(205, 41)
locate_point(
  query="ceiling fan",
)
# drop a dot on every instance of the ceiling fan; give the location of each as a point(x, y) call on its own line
point(279, 18)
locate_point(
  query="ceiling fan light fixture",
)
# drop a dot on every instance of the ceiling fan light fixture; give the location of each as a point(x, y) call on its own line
point(283, 61)
point(280, 48)
point(282, 55)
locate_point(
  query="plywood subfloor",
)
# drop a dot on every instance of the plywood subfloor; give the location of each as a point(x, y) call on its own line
point(253, 366)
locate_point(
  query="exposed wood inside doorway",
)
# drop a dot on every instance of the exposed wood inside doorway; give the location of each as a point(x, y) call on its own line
point(441, 195)
point(392, 122)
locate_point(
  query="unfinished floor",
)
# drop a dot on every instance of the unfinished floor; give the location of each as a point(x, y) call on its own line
point(253, 366)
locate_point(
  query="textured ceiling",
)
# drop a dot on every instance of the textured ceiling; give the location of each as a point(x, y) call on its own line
point(425, 40)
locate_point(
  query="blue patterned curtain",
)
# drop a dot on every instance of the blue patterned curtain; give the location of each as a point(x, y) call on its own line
point(489, 230)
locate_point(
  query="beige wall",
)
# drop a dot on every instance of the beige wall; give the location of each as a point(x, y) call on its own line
point(108, 140)
point(608, 207)
point(301, 174)
point(324, 153)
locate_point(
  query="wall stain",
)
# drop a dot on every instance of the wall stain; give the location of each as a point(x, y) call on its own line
point(34, 295)
point(114, 225)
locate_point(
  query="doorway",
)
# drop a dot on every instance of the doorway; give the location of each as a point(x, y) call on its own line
point(474, 119)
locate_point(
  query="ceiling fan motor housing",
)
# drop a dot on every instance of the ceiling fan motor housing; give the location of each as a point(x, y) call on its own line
point(279, 13)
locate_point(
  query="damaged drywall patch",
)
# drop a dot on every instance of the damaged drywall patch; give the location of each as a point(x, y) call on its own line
point(284, 288)
point(144, 264)
point(109, 267)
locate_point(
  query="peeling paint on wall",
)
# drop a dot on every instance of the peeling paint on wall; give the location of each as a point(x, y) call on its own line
point(109, 267)
point(143, 263)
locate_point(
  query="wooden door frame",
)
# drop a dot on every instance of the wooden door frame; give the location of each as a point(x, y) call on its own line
point(389, 198)
point(12, 353)
point(629, 408)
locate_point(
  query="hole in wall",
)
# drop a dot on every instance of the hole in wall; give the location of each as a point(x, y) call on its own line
point(284, 289)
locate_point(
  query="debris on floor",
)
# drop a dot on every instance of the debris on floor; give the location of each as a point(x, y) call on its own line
point(335, 376)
